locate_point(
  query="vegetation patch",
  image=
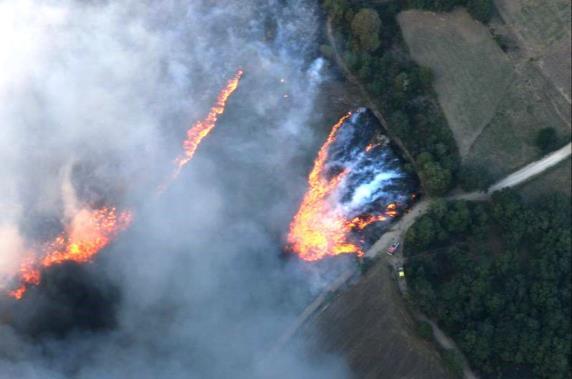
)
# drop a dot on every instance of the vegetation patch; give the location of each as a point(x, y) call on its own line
point(557, 179)
point(496, 277)
point(494, 109)
point(544, 29)
point(510, 139)
point(471, 71)
point(370, 42)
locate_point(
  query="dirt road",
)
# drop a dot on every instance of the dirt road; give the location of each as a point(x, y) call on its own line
point(524, 174)
point(533, 169)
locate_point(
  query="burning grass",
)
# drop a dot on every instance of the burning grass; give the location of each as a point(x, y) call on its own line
point(356, 181)
point(89, 231)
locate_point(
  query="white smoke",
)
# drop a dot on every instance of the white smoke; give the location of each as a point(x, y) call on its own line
point(98, 94)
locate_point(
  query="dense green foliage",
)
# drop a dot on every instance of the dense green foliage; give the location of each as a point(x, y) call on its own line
point(365, 28)
point(454, 362)
point(425, 330)
point(474, 178)
point(546, 140)
point(497, 278)
point(401, 90)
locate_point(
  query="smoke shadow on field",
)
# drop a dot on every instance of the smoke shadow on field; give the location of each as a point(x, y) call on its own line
point(72, 298)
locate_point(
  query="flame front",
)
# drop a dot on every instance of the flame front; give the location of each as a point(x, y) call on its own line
point(92, 230)
point(88, 233)
point(321, 228)
point(203, 127)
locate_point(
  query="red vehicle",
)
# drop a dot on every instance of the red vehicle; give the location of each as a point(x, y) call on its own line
point(393, 248)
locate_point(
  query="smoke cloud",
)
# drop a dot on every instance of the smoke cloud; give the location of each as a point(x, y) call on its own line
point(95, 98)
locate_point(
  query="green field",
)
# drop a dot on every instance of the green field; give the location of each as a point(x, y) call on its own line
point(543, 28)
point(494, 107)
point(527, 106)
point(471, 71)
point(558, 179)
point(540, 23)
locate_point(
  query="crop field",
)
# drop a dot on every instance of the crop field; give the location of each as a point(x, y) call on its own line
point(471, 71)
point(370, 326)
point(494, 107)
point(543, 28)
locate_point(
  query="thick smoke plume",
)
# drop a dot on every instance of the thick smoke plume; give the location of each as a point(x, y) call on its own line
point(95, 98)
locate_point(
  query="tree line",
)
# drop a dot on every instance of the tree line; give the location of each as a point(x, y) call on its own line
point(372, 47)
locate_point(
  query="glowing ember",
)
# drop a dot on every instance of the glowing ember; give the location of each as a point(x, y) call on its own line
point(203, 127)
point(89, 232)
point(321, 227)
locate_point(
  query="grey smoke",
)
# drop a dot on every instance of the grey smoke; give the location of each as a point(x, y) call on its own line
point(110, 87)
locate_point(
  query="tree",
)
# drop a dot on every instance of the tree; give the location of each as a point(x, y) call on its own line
point(425, 330)
point(546, 140)
point(436, 178)
point(365, 28)
point(481, 10)
point(422, 234)
point(335, 8)
point(399, 124)
point(474, 177)
point(458, 218)
point(454, 362)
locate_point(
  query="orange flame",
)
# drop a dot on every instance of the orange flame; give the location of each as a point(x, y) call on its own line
point(93, 230)
point(202, 128)
point(320, 228)
point(89, 232)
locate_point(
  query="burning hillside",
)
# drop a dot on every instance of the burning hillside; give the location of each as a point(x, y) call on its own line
point(356, 181)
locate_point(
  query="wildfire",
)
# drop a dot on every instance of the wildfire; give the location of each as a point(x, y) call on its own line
point(321, 228)
point(92, 230)
point(202, 128)
point(88, 233)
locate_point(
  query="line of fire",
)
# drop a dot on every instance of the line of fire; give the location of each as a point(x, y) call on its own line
point(89, 231)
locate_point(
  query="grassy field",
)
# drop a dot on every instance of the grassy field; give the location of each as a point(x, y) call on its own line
point(370, 326)
point(528, 105)
point(494, 106)
point(543, 28)
point(470, 69)
point(557, 179)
